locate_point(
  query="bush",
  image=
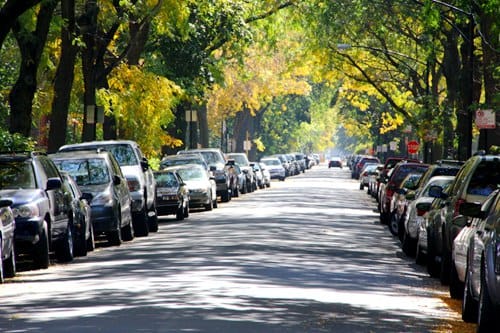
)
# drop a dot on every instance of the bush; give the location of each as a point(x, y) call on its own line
point(15, 142)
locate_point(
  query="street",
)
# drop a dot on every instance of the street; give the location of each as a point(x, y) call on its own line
point(305, 255)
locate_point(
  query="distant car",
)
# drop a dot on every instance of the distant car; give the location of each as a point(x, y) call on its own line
point(259, 176)
point(361, 163)
point(368, 170)
point(242, 160)
point(98, 174)
point(139, 176)
point(236, 178)
point(7, 252)
point(43, 215)
point(83, 230)
point(202, 188)
point(275, 167)
point(335, 162)
point(172, 194)
point(216, 163)
point(481, 298)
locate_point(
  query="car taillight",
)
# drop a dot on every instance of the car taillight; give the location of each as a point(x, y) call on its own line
point(422, 208)
point(458, 203)
point(364, 174)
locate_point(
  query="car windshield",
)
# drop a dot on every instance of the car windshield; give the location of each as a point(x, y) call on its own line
point(16, 175)
point(124, 154)
point(86, 171)
point(211, 157)
point(444, 183)
point(405, 170)
point(271, 162)
point(166, 179)
point(192, 174)
point(240, 159)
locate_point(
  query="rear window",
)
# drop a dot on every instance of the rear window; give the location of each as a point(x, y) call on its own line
point(16, 175)
point(86, 171)
point(485, 179)
point(405, 170)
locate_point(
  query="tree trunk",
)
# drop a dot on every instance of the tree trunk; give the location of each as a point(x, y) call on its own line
point(491, 59)
point(64, 79)
point(31, 45)
point(9, 13)
point(203, 126)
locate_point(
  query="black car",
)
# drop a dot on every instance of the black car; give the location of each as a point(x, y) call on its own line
point(98, 174)
point(83, 231)
point(172, 194)
point(7, 253)
point(43, 215)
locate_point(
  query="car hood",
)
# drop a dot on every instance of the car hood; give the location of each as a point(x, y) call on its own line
point(21, 196)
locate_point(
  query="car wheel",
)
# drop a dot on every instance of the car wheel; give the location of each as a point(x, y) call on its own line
point(432, 265)
point(41, 249)
point(64, 250)
point(186, 210)
point(487, 320)
point(215, 203)
point(420, 257)
point(9, 265)
point(469, 304)
point(115, 236)
point(225, 197)
point(2, 278)
point(179, 215)
point(408, 245)
point(128, 232)
point(456, 286)
point(236, 192)
point(393, 224)
point(91, 240)
point(153, 219)
point(444, 273)
point(141, 224)
point(361, 187)
point(80, 242)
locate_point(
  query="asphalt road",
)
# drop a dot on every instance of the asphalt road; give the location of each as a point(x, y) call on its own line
point(306, 255)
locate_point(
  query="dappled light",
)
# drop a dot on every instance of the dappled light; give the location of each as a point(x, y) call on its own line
point(300, 256)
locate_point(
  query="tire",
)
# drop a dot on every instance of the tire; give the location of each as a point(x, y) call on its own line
point(115, 236)
point(225, 197)
point(444, 273)
point(179, 215)
point(128, 232)
point(408, 245)
point(91, 240)
point(209, 206)
point(469, 304)
point(9, 265)
point(487, 318)
point(153, 223)
point(215, 203)
point(393, 225)
point(432, 266)
point(456, 286)
point(81, 248)
point(141, 224)
point(186, 211)
point(420, 257)
point(361, 187)
point(235, 193)
point(65, 249)
point(2, 277)
point(41, 249)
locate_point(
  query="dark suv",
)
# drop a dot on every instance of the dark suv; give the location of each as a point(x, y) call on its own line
point(42, 213)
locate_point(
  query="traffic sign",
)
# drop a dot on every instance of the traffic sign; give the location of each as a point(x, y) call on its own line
point(413, 147)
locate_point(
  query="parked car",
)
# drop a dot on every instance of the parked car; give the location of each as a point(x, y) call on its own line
point(141, 183)
point(361, 163)
point(193, 158)
point(400, 201)
point(42, 214)
point(301, 161)
point(475, 180)
point(7, 252)
point(242, 160)
point(481, 299)
point(389, 164)
point(172, 194)
point(83, 230)
point(259, 176)
point(237, 180)
point(97, 173)
point(275, 167)
point(201, 185)
point(216, 163)
point(391, 183)
point(420, 204)
point(266, 174)
point(335, 162)
point(366, 172)
point(284, 162)
point(373, 181)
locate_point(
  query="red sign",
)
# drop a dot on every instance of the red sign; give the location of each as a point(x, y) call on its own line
point(413, 147)
point(485, 119)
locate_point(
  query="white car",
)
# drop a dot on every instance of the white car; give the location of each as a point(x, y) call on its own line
point(275, 167)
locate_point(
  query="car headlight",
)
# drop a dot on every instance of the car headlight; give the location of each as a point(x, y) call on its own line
point(26, 211)
point(103, 199)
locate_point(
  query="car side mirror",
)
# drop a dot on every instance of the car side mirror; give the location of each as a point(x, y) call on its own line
point(144, 164)
point(116, 180)
point(87, 196)
point(5, 202)
point(54, 183)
